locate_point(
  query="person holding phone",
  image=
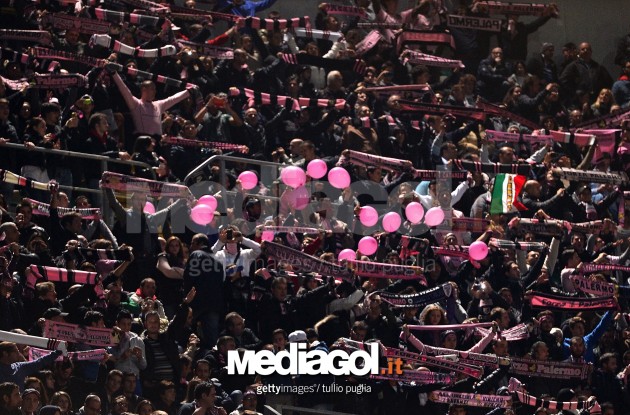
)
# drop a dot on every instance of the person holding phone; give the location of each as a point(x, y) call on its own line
point(235, 252)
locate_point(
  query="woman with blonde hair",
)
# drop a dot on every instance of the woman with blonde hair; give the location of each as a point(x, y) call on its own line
point(604, 104)
point(432, 315)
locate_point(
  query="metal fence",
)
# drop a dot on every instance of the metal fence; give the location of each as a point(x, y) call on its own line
point(103, 160)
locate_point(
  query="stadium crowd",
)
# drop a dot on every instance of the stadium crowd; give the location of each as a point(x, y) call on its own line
point(172, 88)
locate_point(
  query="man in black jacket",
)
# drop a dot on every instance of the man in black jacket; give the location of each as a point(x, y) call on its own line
point(205, 274)
point(161, 349)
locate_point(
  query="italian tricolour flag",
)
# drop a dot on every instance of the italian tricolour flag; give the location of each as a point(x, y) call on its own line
point(507, 188)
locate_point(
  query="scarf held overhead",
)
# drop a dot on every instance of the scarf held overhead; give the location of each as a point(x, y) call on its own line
point(43, 209)
point(304, 262)
point(419, 300)
point(569, 303)
point(129, 184)
point(75, 333)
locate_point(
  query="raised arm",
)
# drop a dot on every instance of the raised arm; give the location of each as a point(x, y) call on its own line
point(131, 101)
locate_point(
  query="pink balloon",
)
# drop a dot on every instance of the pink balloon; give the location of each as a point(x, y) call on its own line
point(478, 250)
point(347, 254)
point(317, 168)
point(149, 208)
point(368, 245)
point(391, 221)
point(202, 214)
point(414, 212)
point(339, 178)
point(208, 200)
point(434, 216)
point(267, 236)
point(248, 179)
point(293, 176)
point(300, 197)
point(368, 216)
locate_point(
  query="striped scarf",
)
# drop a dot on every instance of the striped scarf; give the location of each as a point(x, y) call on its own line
point(262, 98)
point(516, 333)
point(85, 26)
point(367, 43)
point(515, 386)
point(424, 37)
point(184, 142)
point(420, 109)
point(418, 378)
point(419, 58)
point(421, 299)
point(43, 209)
point(9, 177)
point(42, 273)
point(107, 42)
point(549, 369)
point(392, 164)
point(466, 369)
point(497, 7)
point(274, 24)
point(554, 302)
point(492, 168)
point(317, 34)
point(501, 136)
point(592, 176)
point(304, 262)
point(35, 341)
point(470, 399)
point(338, 9)
point(133, 18)
point(588, 268)
point(38, 36)
point(45, 53)
point(123, 183)
point(209, 50)
point(176, 83)
point(492, 109)
point(381, 270)
point(517, 245)
point(93, 255)
point(58, 81)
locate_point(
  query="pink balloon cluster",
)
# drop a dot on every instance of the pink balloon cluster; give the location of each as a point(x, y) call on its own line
point(248, 179)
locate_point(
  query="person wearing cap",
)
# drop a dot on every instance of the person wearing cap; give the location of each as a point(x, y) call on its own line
point(543, 65)
point(30, 402)
point(14, 369)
